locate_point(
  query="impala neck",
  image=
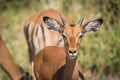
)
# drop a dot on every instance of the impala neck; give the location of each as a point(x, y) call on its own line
point(69, 68)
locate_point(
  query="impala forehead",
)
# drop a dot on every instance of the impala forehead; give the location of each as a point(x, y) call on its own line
point(72, 31)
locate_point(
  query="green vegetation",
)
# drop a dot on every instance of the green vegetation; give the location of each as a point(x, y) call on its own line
point(101, 48)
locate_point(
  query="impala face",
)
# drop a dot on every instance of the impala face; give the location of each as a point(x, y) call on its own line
point(72, 34)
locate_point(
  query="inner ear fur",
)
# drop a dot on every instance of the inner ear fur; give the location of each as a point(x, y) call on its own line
point(100, 21)
point(55, 28)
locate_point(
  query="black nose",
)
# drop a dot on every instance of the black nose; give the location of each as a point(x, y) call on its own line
point(72, 51)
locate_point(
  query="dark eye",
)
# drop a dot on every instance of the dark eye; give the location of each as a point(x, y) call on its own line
point(64, 35)
point(81, 36)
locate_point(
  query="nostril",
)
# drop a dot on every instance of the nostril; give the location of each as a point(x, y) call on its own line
point(72, 51)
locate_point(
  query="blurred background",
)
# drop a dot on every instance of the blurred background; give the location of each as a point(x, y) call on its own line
point(101, 48)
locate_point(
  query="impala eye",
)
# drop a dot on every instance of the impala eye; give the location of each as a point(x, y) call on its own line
point(80, 36)
point(64, 35)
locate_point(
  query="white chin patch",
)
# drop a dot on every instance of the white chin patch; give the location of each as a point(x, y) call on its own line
point(72, 55)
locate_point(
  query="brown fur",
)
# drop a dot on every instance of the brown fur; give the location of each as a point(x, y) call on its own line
point(49, 64)
point(72, 36)
point(7, 63)
point(51, 37)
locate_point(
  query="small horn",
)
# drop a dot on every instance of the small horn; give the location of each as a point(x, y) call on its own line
point(63, 20)
point(81, 20)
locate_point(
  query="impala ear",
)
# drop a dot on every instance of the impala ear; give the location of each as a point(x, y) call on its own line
point(52, 24)
point(92, 26)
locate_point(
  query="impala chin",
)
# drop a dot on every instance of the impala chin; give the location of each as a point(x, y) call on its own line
point(72, 55)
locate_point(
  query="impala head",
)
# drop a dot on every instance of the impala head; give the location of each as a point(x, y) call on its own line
point(72, 34)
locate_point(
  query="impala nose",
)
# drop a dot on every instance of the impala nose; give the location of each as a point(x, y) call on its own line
point(72, 54)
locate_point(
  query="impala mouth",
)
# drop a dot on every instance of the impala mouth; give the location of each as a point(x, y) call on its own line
point(73, 55)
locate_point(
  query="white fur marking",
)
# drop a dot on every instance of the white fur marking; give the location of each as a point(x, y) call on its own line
point(30, 28)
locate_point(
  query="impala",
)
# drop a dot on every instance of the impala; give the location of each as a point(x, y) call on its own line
point(55, 63)
point(52, 63)
point(38, 35)
point(8, 65)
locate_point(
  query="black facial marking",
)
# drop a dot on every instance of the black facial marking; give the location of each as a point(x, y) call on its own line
point(43, 34)
point(72, 25)
point(37, 31)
